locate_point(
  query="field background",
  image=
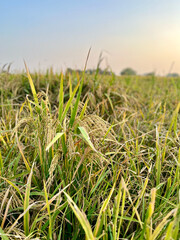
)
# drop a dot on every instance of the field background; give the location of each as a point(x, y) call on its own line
point(89, 156)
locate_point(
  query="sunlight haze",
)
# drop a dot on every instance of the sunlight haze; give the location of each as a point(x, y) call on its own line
point(144, 35)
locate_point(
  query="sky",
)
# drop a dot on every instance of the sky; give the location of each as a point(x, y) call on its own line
point(142, 34)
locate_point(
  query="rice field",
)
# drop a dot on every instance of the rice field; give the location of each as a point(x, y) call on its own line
point(89, 156)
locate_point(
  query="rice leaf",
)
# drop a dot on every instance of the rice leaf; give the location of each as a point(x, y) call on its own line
point(32, 85)
point(87, 138)
point(103, 208)
point(49, 212)
point(26, 203)
point(3, 235)
point(161, 225)
point(81, 217)
point(58, 135)
point(84, 109)
point(69, 103)
point(61, 98)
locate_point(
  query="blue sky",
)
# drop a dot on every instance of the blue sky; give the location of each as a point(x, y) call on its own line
point(142, 34)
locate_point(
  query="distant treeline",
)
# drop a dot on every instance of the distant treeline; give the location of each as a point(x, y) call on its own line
point(125, 72)
point(90, 71)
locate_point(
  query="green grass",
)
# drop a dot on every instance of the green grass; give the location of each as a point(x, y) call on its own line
point(89, 157)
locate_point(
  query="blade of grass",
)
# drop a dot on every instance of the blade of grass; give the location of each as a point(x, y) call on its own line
point(161, 225)
point(116, 213)
point(73, 115)
point(61, 98)
point(147, 228)
point(49, 212)
point(26, 203)
point(1, 164)
point(58, 135)
point(84, 109)
point(3, 235)
point(87, 138)
point(13, 185)
point(6, 212)
point(174, 117)
point(32, 85)
point(103, 208)
point(69, 103)
point(81, 217)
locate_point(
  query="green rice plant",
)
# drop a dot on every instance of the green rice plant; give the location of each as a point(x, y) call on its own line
point(32, 87)
point(49, 212)
point(158, 158)
point(61, 98)
point(1, 164)
point(173, 122)
point(82, 218)
point(3, 235)
point(26, 204)
point(58, 135)
point(85, 161)
point(74, 112)
point(61, 117)
point(161, 225)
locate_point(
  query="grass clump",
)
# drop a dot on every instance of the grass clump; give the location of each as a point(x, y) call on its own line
point(89, 157)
